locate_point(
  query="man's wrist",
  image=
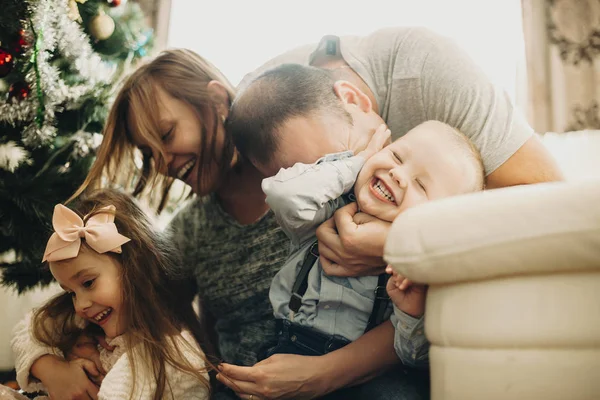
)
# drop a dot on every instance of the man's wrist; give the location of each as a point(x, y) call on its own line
point(328, 378)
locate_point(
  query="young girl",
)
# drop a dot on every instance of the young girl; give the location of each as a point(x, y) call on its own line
point(121, 284)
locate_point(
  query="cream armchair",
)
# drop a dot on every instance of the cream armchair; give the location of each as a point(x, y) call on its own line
point(513, 308)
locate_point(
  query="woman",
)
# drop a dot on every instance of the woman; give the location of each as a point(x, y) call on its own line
point(173, 110)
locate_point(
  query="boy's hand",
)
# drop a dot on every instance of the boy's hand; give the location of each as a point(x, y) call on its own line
point(380, 139)
point(407, 296)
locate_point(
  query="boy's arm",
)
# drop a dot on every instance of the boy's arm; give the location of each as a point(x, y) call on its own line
point(304, 196)
point(410, 343)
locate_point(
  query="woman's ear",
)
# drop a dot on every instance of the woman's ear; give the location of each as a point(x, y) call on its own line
point(352, 95)
point(219, 95)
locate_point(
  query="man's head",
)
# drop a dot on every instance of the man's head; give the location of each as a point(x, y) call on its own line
point(432, 161)
point(295, 113)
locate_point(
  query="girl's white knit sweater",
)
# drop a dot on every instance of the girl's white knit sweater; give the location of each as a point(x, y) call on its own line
point(118, 382)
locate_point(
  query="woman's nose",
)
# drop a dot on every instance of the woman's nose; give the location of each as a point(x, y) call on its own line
point(162, 161)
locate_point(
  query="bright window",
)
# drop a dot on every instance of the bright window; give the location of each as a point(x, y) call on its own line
point(238, 36)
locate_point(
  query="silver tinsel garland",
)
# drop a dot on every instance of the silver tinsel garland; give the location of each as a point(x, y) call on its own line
point(54, 30)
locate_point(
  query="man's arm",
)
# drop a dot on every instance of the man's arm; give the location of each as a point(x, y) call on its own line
point(290, 376)
point(532, 163)
point(456, 90)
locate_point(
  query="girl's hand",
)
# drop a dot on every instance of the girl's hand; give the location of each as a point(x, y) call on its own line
point(67, 380)
point(281, 376)
point(351, 243)
point(406, 295)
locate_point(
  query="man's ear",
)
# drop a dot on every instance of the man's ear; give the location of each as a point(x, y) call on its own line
point(219, 95)
point(351, 94)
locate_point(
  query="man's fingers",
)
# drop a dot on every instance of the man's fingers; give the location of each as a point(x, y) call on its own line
point(236, 372)
point(238, 386)
point(344, 218)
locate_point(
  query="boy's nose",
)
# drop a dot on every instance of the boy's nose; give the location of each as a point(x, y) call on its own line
point(399, 176)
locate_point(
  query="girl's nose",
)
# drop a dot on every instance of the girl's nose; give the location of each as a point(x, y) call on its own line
point(82, 304)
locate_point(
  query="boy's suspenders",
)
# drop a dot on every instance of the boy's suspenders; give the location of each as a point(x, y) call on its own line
point(301, 284)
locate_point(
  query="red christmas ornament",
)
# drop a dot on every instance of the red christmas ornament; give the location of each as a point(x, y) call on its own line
point(114, 3)
point(6, 62)
point(19, 91)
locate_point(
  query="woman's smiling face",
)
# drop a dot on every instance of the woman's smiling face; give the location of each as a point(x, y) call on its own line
point(183, 153)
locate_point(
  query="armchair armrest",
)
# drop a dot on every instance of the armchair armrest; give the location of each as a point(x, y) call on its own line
point(542, 228)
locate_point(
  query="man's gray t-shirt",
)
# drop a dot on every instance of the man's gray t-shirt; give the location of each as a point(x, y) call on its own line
point(417, 75)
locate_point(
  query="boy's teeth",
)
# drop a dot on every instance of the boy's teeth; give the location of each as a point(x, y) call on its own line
point(184, 170)
point(383, 190)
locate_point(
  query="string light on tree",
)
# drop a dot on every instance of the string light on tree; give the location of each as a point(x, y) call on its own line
point(19, 91)
point(6, 62)
point(19, 43)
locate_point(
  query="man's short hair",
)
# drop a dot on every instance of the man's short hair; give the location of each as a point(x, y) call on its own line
point(272, 99)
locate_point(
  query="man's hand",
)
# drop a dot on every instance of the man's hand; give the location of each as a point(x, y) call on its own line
point(281, 376)
point(407, 296)
point(351, 243)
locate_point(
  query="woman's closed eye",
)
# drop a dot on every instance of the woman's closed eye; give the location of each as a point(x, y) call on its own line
point(167, 136)
point(421, 185)
point(397, 157)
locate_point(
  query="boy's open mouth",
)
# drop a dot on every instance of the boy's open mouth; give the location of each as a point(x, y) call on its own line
point(381, 191)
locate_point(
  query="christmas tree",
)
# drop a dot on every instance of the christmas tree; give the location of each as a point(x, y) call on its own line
point(60, 63)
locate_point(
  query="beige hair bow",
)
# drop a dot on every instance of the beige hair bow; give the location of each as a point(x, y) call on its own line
point(100, 233)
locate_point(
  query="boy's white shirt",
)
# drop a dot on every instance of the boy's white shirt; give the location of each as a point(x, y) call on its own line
point(119, 380)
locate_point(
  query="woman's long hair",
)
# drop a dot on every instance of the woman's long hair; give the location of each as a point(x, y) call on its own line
point(157, 299)
point(185, 76)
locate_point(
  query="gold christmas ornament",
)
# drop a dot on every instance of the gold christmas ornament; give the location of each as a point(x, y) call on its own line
point(102, 26)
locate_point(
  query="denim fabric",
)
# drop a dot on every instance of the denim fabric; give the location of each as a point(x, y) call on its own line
point(401, 382)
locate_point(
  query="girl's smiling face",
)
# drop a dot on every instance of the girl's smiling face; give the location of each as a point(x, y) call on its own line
point(94, 282)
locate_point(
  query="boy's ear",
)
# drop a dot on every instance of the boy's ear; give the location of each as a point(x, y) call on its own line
point(351, 94)
point(219, 95)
